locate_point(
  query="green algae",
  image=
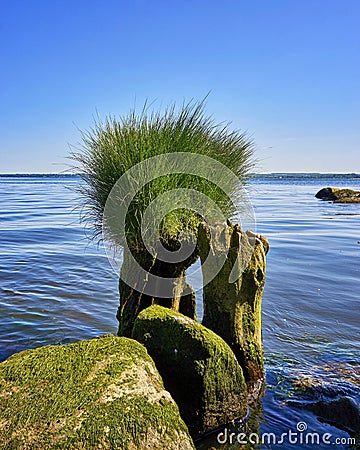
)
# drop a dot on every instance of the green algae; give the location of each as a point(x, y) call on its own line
point(85, 396)
point(132, 301)
point(198, 367)
point(233, 310)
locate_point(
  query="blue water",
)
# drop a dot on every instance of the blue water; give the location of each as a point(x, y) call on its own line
point(58, 287)
point(311, 303)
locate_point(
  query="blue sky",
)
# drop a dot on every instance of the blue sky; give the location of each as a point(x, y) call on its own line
point(287, 72)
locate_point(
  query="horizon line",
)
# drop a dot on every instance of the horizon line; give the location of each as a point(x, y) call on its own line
point(4, 174)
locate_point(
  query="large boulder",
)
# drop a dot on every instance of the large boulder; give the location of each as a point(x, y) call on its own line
point(99, 394)
point(198, 368)
point(233, 298)
point(339, 195)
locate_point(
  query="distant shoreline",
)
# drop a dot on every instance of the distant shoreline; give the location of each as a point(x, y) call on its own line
point(254, 175)
point(33, 175)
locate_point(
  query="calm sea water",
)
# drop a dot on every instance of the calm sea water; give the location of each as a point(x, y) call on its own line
point(57, 287)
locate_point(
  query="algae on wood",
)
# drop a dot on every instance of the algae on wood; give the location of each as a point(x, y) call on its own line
point(100, 394)
point(232, 300)
point(133, 301)
point(198, 368)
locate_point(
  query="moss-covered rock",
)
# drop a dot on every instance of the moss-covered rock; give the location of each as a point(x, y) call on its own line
point(233, 298)
point(198, 368)
point(338, 195)
point(100, 394)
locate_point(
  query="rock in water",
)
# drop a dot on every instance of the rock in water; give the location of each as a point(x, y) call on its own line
point(233, 298)
point(198, 368)
point(339, 195)
point(343, 412)
point(98, 394)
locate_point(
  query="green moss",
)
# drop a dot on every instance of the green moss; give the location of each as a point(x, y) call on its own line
point(204, 342)
point(132, 301)
point(53, 397)
point(233, 310)
point(198, 368)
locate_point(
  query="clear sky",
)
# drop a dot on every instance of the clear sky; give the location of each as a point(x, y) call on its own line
point(287, 71)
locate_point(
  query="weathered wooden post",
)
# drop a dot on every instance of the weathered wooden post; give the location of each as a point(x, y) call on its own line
point(136, 298)
point(232, 300)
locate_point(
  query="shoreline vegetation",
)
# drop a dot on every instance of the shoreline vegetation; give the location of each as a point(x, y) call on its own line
point(199, 188)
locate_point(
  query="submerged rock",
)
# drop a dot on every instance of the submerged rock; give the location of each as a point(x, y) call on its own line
point(232, 299)
point(339, 195)
point(198, 368)
point(330, 391)
point(98, 394)
point(343, 412)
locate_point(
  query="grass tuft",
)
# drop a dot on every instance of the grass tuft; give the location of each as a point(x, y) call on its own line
point(112, 146)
